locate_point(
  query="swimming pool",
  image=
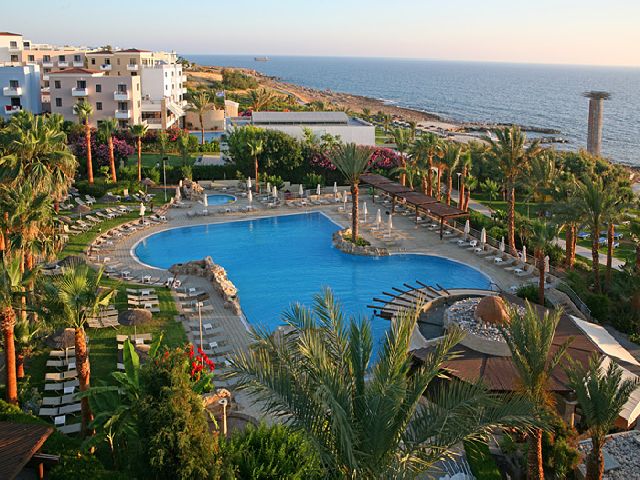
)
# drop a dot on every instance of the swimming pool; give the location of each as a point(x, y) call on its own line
point(276, 261)
point(220, 199)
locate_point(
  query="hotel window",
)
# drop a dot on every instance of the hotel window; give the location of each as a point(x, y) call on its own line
point(13, 84)
point(122, 88)
point(61, 58)
point(77, 58)
point(58, 102)
point(123, 106)
point(13, 44)
point(93, 61)
point(56, 84)
point(80, 84)
point(31, 58)
point(46, 58)
point(98, 105)
point(14, 58)
point(98, 88)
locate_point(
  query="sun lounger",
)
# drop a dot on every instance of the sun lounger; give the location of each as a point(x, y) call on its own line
point(66, 409)
point(48, 411)
point(73, 428)
point(55, 386)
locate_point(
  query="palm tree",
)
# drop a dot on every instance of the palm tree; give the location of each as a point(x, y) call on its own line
point(366, 113)
point(592, 203)
point(38, 155)
point(256, 148)
point(12, 286)
point(80, 296)
point(139, 131)
point(513, 156)
point(107, 129)
point(540, 237)
point(530, 340)
point(24, 333)
point(634, 230)
point(368, 418)
point(413, 125)
point(84, 110)
point(450, 161)
point(601, 392)
point(386, 121)
point(563, 208)
point(470, 183)
point(423, 151)
point(542, 175)
point(200, 103)
point(402, 140)
point(611, 217)
point(352, 161)
point(183, 147)
point(261, 99)
point(464, 164)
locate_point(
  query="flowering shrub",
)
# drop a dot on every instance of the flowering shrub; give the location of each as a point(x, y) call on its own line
point(100, 151)
point(385, 159)
point(201, 369)
point(321, 160)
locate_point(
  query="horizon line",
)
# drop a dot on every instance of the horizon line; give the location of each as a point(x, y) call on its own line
point(424, 59)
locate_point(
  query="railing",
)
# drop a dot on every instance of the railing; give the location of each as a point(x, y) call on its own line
point(575, 298)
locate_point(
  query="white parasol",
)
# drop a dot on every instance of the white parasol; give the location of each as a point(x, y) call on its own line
point(546, 264)
point(142, 209)
point(524, 254)
point(502, 245)
point(483, 236)
point(390, 222)
point(364, 211)
point(250, 197)
point(318, 190)
point(275, 192)
point(301, 191)
point(205, 200)
point(178, 194)
point(378, 219)
point(467, 229)
point(249, 184)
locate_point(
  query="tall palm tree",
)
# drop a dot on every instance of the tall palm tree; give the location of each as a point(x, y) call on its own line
point(201, 103)
point(464, 165)
point(12, 286)
point(262, 99)
point(423, 150)
point(542, 176)
point(366, 113)
point(367, 418)
point(183, 147)
point(540, 237)
point(80, 296)
point(139, 130)
point(513, 156)
point(402, 140)
point(24, 333)
point(563, 209)
point(530, 340)
point(612, 216)
point(256, 148)
point(593, 203)
point(352, 161)
point(84, 110)
point(107, 129)
point(413, 126)
point(386, 121)
point(450, 161)
point(601, 392)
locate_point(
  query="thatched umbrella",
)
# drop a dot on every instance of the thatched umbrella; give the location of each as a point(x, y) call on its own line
point(136, 316)
point(147, 182)
point(65, 219)
point(109, 198)
point(62, 338)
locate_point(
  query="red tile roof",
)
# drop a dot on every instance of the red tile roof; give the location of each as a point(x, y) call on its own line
point(100, 52)
point(9, 34)
point(84, 71)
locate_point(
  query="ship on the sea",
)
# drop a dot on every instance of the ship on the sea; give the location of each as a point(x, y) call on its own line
point(261, 59)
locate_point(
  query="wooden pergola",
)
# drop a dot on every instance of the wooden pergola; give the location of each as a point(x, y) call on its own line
point(444, 212)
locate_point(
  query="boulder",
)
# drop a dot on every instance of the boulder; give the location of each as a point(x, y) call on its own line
point(492, 310)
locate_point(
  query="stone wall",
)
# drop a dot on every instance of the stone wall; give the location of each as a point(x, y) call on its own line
point(217, 275)
point(351, 248)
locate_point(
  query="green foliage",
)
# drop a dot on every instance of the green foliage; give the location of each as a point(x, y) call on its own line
point(481, 462)
point(559, 450)
point(361, 242)
point(81, 465)
point(97, 190)
point(235, 80)
point(275, 452)
point(529, 292)
point(311, 180)
point(175, 440)
point(274, 180)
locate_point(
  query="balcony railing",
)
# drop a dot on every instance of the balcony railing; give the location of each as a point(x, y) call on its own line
point(12, 91)
point(47, 63)
point(123, 114)
point(79, 92)
point(133, 67)
point(45, 78)
point(11, 109)
point(79, 64)
point(121, 96)
point(105, 67)
point(63, 64)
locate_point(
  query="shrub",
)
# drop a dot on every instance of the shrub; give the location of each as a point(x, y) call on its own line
point(174, 435)
point(274, 180)
point(269, 453)
point(599, 304)
point(559, 450)
point(528, 292)
point(97, 189)
point(311, 180)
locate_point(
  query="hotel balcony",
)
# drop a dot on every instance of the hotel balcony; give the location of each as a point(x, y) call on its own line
point(182, 91)
point(120, 96)
point(78, 64)
point(47, 64)
point(63, 64)
point(105, 67)
point(11, 109)
point(123, 114)
point(45, 77)
point(79, 92)
point(12, 91)
point(133, 67)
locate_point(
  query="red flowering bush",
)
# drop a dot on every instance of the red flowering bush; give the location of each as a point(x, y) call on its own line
point(385, 159)
point(201, 369)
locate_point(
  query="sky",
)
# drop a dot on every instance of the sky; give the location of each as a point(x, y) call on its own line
point(586, 32)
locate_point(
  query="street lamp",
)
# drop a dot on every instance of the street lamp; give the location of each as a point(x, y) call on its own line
point(459, 175)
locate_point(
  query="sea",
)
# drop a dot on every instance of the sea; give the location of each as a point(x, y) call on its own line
point(543, 96)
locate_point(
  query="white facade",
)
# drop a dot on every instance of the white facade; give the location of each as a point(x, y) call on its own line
point(10, 47)
point(163, 89)
point(19, 89)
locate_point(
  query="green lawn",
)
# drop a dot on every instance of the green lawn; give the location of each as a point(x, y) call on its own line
point(530, 209)
point(152, 159)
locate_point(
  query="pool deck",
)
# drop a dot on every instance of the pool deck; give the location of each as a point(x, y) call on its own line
point(230, 331)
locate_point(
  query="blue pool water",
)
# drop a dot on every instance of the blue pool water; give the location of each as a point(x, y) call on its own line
point(220, 199)
point(277, 261)
point(208, 136)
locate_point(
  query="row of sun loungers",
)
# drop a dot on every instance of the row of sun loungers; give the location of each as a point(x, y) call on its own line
point(62, 380)
point(136, 339)
point(105, 318)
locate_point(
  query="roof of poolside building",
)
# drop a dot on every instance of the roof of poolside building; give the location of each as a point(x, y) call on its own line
point(305, 118)
point(77, 71)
